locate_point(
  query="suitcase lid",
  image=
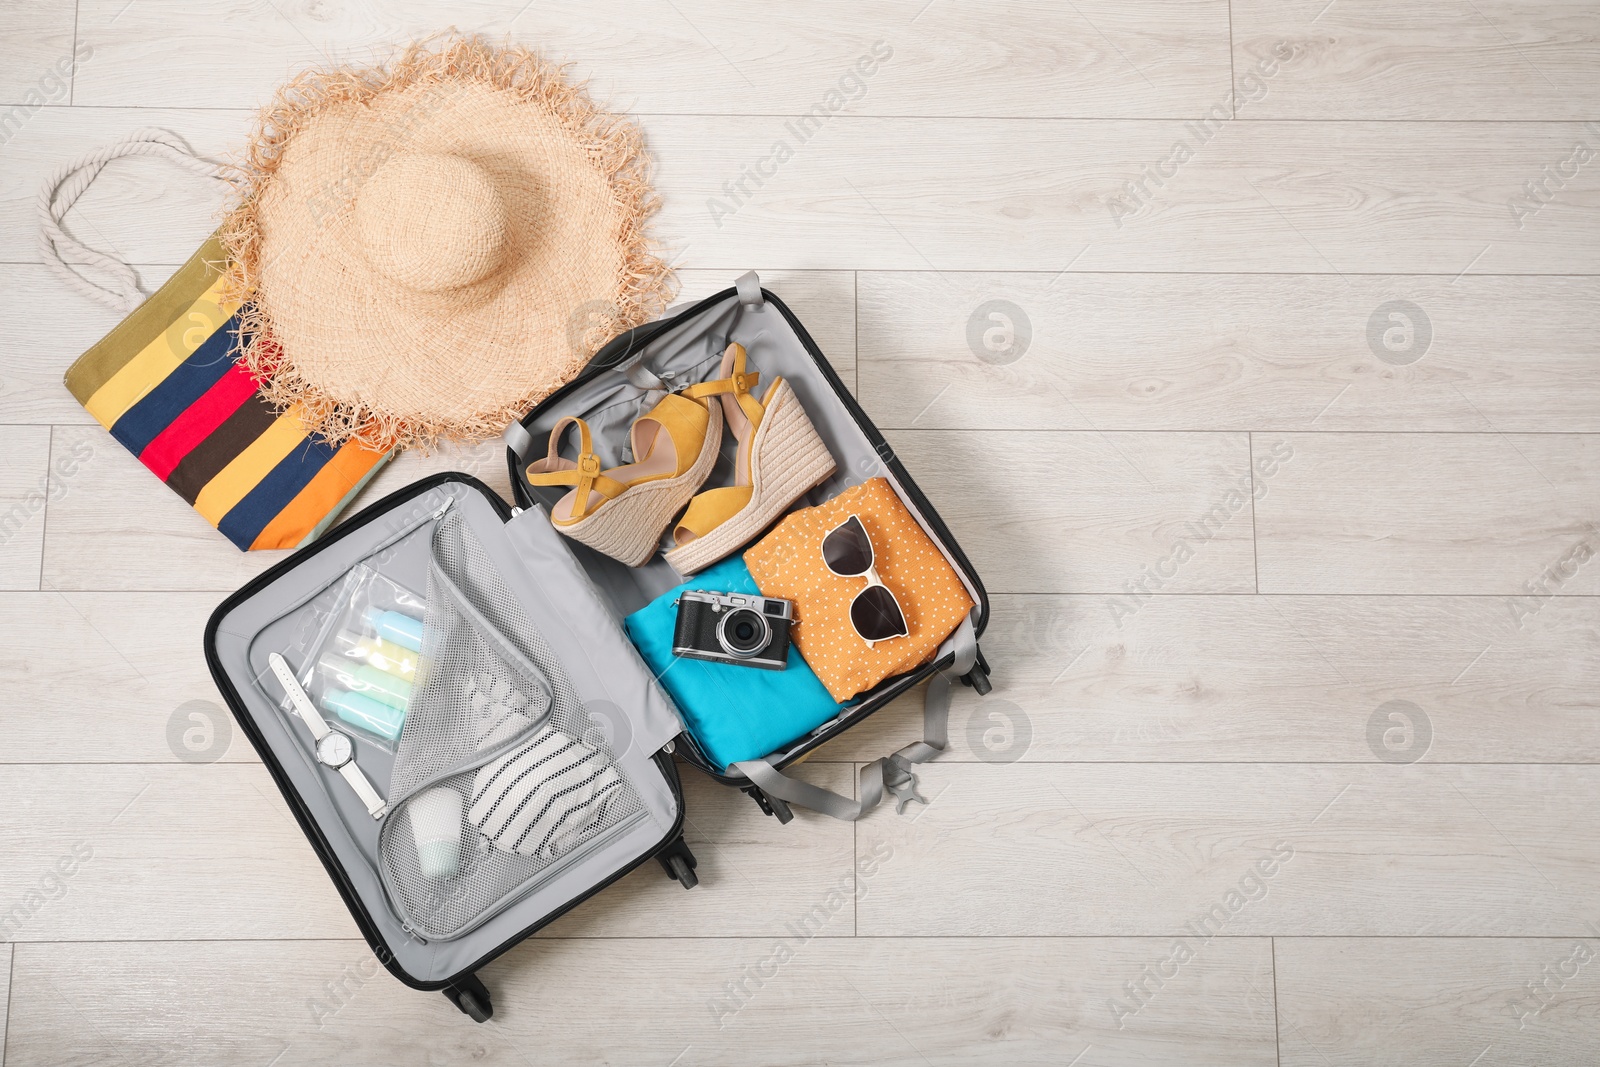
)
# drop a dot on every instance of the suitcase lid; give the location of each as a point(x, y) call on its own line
point(273, 613)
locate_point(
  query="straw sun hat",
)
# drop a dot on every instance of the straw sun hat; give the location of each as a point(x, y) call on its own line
point(430, 247)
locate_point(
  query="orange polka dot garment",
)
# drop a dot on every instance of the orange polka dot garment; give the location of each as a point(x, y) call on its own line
point(787, 563)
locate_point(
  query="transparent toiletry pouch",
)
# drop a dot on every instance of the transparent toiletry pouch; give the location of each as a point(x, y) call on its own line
point(496, 786)
point(362, 655)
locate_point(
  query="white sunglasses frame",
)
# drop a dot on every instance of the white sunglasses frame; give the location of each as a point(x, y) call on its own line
point(871, 575)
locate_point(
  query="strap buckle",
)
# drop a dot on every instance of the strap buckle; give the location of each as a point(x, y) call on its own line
point(902, 782)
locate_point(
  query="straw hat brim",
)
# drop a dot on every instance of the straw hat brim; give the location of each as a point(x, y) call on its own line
point(367, 356)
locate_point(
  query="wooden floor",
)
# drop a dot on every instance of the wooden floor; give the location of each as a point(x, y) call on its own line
point(1316, 788)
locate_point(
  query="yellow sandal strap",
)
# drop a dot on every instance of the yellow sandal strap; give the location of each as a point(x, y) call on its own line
point(685, 423)
point(584, 474)
point(739, 384)
point(711, 509)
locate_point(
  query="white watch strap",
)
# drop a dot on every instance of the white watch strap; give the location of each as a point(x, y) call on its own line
point(320, 729)
point(297, 696)
point(369, 796)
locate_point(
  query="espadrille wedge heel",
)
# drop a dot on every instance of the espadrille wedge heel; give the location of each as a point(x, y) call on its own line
point(780, 458)
point(623, 511)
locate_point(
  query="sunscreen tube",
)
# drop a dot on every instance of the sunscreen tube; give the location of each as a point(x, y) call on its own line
point(398, 627)
point(359, 677)
point(384, 655)
point(362, 711)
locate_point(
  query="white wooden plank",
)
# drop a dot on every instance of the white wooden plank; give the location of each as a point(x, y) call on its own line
point(5, 995)
point(973, 194)
point(212, 852)
point(1070, 512)
point(116, 527)
point(44, 326)
point(1032, 195)
point(756, 876)
point(162, 852)
point(1098, 57)
point(110, 677)
point(1434, 59)
point(37, 37)
point(24, 499)
point(1367, 849)
point(1230, 352)
point(869, 1001)
point(485, 462)
point(1283, 678)
point(1379, 1003)
point(1508, 514)
point(140, 209)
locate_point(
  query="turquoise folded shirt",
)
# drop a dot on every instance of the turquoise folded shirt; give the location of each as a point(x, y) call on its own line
point(735, 713)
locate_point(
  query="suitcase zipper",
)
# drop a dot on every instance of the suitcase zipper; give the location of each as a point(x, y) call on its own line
point(540, 879)
point(406, 530)
point(517, 659)
point(383, 546)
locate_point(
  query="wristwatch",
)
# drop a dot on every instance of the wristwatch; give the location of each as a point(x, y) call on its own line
point(334, 749)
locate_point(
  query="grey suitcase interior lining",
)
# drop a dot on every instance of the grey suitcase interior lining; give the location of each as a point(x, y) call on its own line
point(689, 352)
point(601, 666)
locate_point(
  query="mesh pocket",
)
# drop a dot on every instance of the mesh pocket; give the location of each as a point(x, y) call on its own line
point(494, 780)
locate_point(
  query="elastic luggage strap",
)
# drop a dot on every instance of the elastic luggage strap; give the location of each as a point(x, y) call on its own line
point(893, 771)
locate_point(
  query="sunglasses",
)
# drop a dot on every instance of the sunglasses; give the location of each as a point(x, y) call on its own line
point(874, 613)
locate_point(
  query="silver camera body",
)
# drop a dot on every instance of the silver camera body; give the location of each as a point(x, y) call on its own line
point(737, 628)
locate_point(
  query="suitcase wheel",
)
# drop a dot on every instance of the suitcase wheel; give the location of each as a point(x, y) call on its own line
point(683, 872)
point(679, 863)
point(780, 808)
point(472, 997)
point(769, 804)
point(978, 679)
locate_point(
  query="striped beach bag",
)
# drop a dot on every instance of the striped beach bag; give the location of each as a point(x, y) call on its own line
point(167, 384)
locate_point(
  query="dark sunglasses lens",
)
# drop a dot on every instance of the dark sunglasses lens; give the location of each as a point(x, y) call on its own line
point(876, 616)
point(848, 549)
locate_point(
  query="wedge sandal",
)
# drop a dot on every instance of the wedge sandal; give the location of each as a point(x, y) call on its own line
point(623, 511)
point(780, 459)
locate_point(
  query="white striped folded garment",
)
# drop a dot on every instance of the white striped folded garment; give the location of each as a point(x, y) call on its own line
point(545, 795)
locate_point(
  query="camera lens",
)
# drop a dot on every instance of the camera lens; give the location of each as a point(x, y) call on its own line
point(743, 633)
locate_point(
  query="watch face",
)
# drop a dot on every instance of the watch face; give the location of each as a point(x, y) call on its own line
point(335, 750)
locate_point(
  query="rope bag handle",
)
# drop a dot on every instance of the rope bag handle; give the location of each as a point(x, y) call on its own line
point(107, 280)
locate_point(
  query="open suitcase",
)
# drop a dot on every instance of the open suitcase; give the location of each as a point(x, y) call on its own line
point(530, 677)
